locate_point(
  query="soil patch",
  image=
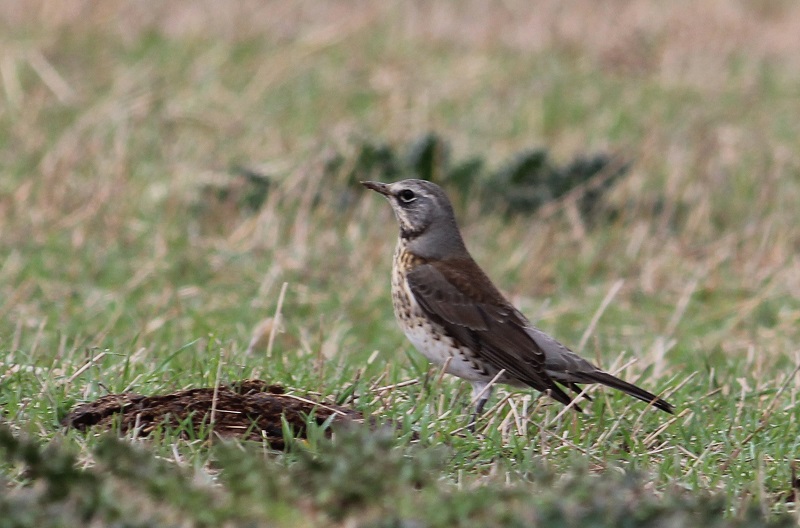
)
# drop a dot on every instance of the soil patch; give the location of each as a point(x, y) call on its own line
point(249, 409)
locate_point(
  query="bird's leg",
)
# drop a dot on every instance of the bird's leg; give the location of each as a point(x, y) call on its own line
point(480, 395)
point(478, 411)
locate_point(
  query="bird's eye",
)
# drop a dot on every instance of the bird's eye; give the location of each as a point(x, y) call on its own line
point(407, 196)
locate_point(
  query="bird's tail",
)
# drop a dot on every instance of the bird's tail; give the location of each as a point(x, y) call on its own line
point(628, 388)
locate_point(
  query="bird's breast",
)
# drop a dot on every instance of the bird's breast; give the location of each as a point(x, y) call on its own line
point(428, 337)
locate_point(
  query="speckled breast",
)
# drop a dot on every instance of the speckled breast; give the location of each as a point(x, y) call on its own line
point(430, 338)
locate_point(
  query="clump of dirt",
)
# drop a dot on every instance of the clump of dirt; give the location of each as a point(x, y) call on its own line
point(249, 409)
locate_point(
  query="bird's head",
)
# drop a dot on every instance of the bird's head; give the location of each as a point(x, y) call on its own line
point(423, 212)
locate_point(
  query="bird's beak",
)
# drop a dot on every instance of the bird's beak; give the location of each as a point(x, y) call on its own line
point(377, 187)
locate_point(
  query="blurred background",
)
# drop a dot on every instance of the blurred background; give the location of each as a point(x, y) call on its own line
point(168, 166)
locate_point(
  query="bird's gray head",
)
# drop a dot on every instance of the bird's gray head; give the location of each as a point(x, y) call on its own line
point(426, 218)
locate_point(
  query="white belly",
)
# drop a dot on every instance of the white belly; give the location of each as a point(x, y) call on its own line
point(439, 351)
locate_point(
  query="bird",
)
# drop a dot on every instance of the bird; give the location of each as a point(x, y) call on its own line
point(453, 314)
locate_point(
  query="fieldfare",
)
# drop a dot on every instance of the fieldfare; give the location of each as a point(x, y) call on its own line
point(453, 314)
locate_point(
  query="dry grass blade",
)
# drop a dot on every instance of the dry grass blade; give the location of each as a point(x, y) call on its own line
point(276, 320)
point(215, 396)
point(388, 388)
point(86, 366)
point(316, 404)
point(612, 292)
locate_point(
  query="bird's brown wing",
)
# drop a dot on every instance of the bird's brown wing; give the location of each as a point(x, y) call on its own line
point(461, 298)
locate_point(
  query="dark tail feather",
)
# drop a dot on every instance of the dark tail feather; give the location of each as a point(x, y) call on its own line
point(574, 387)
point(558, 394)
point(628, 388)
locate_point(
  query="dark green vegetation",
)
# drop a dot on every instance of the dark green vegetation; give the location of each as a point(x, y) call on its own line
point(167, 168)
point(324, 484)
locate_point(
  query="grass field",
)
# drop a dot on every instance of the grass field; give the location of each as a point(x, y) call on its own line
point(135, 255)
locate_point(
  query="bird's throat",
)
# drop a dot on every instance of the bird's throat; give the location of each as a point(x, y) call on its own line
point(408, 233)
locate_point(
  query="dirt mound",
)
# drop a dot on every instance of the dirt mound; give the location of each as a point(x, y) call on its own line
point(250, 409)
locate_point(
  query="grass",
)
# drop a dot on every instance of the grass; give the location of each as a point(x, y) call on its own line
point(121, 271)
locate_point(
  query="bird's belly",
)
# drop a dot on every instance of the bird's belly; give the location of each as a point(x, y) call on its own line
point(440, 350)
point(432, 340)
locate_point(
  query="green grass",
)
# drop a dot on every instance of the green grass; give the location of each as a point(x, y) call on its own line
point(120, 271)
